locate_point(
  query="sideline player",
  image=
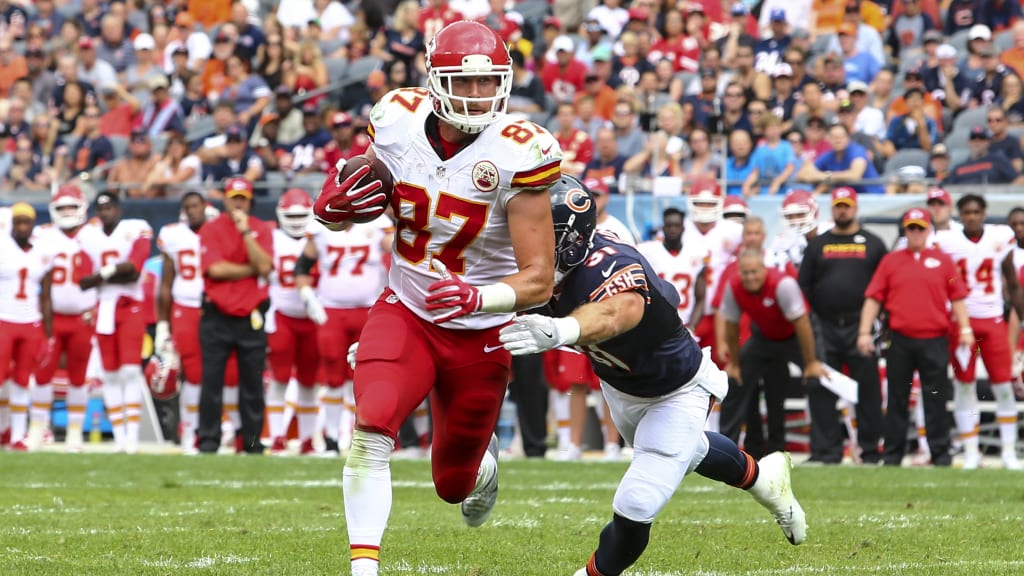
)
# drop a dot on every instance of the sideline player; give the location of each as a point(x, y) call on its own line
point(658, 382)
point(25, 316)
point(984, 255)
point(118, 248)
point(73, 314)
point(471, 204)
point(352, 275)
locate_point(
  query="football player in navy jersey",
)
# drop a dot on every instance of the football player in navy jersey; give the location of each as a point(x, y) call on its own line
point(660, 385)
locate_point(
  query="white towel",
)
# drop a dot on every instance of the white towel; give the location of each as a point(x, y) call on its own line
point(106, 316)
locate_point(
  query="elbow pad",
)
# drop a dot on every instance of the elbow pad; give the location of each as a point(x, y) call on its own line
point(304, 265)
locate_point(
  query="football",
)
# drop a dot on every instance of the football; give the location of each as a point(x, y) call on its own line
point(378, 171)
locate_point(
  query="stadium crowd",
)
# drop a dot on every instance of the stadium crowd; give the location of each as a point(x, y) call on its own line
point(152, 99)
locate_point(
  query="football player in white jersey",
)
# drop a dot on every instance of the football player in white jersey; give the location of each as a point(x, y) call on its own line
point(983, 253)
point(25, 317)
point(722, 239)
point(800, 213)
point(118, 248)
point(1016, 221)
point(178, 306)
point(352, 275)
point(292, 325)
point(73, 314)
point(683, 265)
point(471, 248)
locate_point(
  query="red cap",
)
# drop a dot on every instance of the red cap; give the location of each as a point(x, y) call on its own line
point(937, 193)
point(86, 43)
point(596, 185)
point(638, 14)
point(553, 21)
point(844, 195)
point(341, 119)
point(917, 216)
point(238, 187)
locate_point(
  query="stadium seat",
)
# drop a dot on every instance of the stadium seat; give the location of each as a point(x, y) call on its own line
point(958, 155)
point(970, 118)
point(959, 40)
point(906, 157)
point(336, 68)
point(201, 128)
point(359, 70)
point(120, 145)
point(911, 62)
point(820, 45)
point(1003, 41)
point(276, 183)
point(159, 144)
point(957, 139)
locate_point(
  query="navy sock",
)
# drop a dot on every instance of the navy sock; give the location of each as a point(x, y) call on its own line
point(725, 462)
point(622, 543)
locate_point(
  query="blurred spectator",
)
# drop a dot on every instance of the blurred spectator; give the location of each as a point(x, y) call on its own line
point(403, 41)
point(41, 79)
point(436, 15)
point(710, 65)
point(734, 110)
point(769, 50)
point(92, 149)
point(797, 60)
point(706, 100)
point(307, 155)
point(628, 66)
point(978, 37)
point(815, 141)
point(12, 66)
point(90, 68)
point(912, 130)
point(795, 13)
point(194, 103)
point(848, 117)
point(235, 159)
point(984, 166)
point(26, 170)
point(144, 68)
point(1003, 141)
point(906, 33)
point(345, 142)
point(595, 83)
point(564, 77)
point(881, 95)
point(180, 75)
point(577, 147)
point(290, 128)
point(938, 163)
point(47, 17)
point(472, 9)
point(651, 100)
point(756, 111)
point(754, 83)
point(1014, 57)
point(129, 173)
point(211, 148)
point(248, 92)
point(859, 65)
point(90, 17)
point(869, 38)
point(703, 162)
point(607, 163)
point(739, 163)
point(1011, 101)
point(113, 47)
point(908, 180)
point(999, 15)
point(209, 13)
point(15, 124)
point(156, 15)
point(666, 81)
point(932, 107)
point(945, 82)
point(773, 162)
point(987, 84)
point(266, 144)
point(592, 42)
point(796, 140)
point(847, 162)
point(196, 43)
point(527, 90)
point(41, 136)
point(273, 61)
point(215, 72)
point(611, 15)
point(676, 45)
point(586, 120)
point(6, 157)
point(177, 172)
point(833, 81)
point(932, 41)
point(162, 113)
point(250, 36)
point(657, 158)
point(69, 109)
point(961, 15)
point(543, 46)
point(630, 139)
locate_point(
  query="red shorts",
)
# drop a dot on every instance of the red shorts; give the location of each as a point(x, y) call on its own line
point(992, 335)
point(563, 369)
point(185, 334)
point(292, 347)
point(124, 346)
point(403, 358)
point(343, 327)
point(72, 337)
point(20, 345)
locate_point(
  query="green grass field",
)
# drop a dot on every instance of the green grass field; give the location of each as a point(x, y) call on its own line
point(146, 515)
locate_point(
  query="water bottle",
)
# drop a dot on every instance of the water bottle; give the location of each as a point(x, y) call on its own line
point(506, 424)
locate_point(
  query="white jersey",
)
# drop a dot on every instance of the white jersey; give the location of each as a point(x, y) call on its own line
point(980, 264)
point(181, 244)
point(284, 296)
point(455, 209)
point(351, 263)
point(20, 274)
point(615, 226)
point(722, 242)
point(788, 247)
point(116, 248)
point(69, 264)
point(681, 269)
point(1018, 258)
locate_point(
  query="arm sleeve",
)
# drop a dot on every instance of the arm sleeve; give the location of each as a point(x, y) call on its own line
point(790, 299)
point(730, 309)
point(140, 252)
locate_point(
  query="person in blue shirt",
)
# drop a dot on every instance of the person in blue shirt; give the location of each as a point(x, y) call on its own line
point(847, 162)
point(859, 65)
point(773, 163)
point(611, 305)
point(740, 162)
point(913, 130)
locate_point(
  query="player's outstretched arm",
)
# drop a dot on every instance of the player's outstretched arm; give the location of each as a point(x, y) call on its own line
point(530, 225)
point(589, 324)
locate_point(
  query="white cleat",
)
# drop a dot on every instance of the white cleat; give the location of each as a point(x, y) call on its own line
point(612, 452)
point(570, 453)
point(73, 439)
point(476, 508)
point(1010, 461)
point(774, 490)
point(581, 572)
point(972, 460)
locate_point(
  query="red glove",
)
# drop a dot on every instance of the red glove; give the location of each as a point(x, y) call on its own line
point(341, 200)
point(451, 294)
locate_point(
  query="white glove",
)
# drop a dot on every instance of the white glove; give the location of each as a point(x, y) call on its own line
point(352, 355)
point(533, 333)
point(162, 343)
point(314, 309)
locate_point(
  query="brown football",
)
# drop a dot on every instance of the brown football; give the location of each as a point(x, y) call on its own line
point(378, 171)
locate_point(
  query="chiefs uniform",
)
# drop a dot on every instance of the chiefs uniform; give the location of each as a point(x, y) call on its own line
point(680, 268)
point(433, 18)
point(577, 149)
point(721, 242)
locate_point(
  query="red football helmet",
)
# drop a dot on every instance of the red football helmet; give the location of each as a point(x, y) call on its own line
point(735, 208)
point(162, 376)
point(68, 207)
point(705, 201)
point(294, 212)
point(468, 48)
point(800, 210)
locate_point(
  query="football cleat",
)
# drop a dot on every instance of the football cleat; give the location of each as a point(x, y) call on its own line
point(774, 490)
point(476, 508)
point(307, 447)
point(73, 438)
point(331, 445)
point(19, 446)
point(581, 572)
point(279, 446)
point(1010, 461)
point(570, 453)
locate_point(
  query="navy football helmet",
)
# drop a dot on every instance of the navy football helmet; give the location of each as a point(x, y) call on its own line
point(575, 215)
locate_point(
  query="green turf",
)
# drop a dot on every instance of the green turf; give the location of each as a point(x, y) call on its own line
point(140, 515)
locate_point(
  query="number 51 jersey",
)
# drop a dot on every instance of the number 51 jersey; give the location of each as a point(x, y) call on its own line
point(455, 209)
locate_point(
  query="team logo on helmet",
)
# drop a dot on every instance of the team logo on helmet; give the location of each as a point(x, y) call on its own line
point(578, 200)
point(485, 176)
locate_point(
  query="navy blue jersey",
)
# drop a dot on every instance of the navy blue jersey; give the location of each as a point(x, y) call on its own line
point(658, 355)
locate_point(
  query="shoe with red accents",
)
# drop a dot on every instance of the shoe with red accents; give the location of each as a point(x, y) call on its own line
point(19, 446)
point(307, 447)
point(279, 446)
point(239, 444)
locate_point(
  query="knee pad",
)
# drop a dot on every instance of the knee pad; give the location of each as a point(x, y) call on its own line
point(1005, 400)
point(640, 497)
point(370, 451)
point(965, 396)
